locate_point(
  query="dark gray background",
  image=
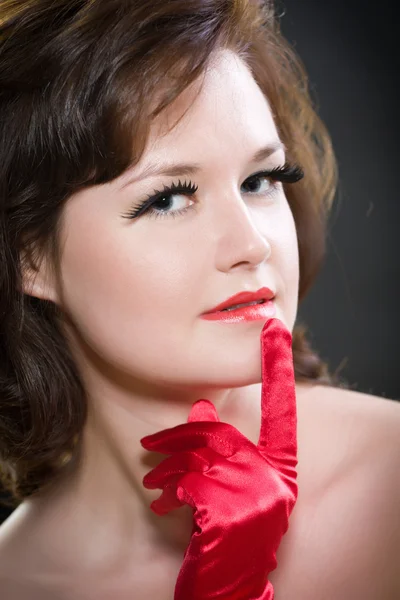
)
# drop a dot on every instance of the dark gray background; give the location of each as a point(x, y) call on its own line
point(350, 53)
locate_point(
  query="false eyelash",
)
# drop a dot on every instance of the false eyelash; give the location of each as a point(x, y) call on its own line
point(180, 188)
point(285, 174)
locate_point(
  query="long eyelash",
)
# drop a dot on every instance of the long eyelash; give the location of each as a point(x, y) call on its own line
point(181, 188)
point(286, 174)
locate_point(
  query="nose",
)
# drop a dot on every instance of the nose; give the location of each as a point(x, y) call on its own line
point(239, 239)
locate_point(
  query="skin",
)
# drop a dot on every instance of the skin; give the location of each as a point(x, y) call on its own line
point(133, 293)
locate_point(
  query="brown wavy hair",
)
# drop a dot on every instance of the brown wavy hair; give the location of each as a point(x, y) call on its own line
point(75, 81)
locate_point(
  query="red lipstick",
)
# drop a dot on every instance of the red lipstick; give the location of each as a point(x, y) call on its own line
point(263, 307)
point(263, 293)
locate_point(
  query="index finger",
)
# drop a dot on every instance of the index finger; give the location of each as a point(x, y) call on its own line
point(278, 432)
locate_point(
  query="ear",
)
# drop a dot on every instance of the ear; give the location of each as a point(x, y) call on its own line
point(37, 278)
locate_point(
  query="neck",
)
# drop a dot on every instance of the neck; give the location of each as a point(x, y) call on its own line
point(98, 515)
point(104, 508)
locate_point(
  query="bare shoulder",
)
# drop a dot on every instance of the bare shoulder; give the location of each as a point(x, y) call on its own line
point(355, 400)
point(344, 535)
point(363, 433)
point(354, 428)
point(352, 406)
point(20, 561)
point(13, 588)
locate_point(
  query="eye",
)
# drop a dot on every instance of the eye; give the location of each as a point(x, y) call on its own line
point(163, 199)
point(255, 182)
point(286, 173)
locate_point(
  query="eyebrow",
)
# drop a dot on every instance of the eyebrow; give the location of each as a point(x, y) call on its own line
point(174, 170)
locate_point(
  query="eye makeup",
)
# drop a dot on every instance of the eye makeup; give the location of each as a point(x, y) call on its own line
point(283, 174)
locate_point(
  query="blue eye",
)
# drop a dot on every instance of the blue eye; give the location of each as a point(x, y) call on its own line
point(286, 174)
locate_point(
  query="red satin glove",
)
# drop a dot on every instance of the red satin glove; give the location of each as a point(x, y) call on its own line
point(241, 494)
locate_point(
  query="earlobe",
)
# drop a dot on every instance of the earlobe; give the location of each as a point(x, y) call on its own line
point(34, 285)
point(36, 280)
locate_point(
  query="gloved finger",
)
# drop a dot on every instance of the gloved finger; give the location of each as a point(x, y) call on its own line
point(221, 437)
point(278, 432)
point(183, 462)
point(203, 410)
point(167, 501)
point(178, 492)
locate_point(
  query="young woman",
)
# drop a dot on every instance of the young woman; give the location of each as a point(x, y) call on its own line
point(157, 159)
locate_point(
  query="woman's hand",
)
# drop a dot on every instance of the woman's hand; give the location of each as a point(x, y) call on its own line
point(241, 494)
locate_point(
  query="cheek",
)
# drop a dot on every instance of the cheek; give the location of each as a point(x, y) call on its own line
point(285, 260)
point(118, 288)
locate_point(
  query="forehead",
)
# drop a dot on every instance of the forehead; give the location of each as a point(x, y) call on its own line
point(225, 102)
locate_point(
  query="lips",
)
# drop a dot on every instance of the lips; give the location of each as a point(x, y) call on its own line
point(263, 294)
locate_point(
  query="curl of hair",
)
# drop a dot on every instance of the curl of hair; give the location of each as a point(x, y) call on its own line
point(75, 79)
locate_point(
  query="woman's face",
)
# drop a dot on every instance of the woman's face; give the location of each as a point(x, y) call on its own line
point(134, 289)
